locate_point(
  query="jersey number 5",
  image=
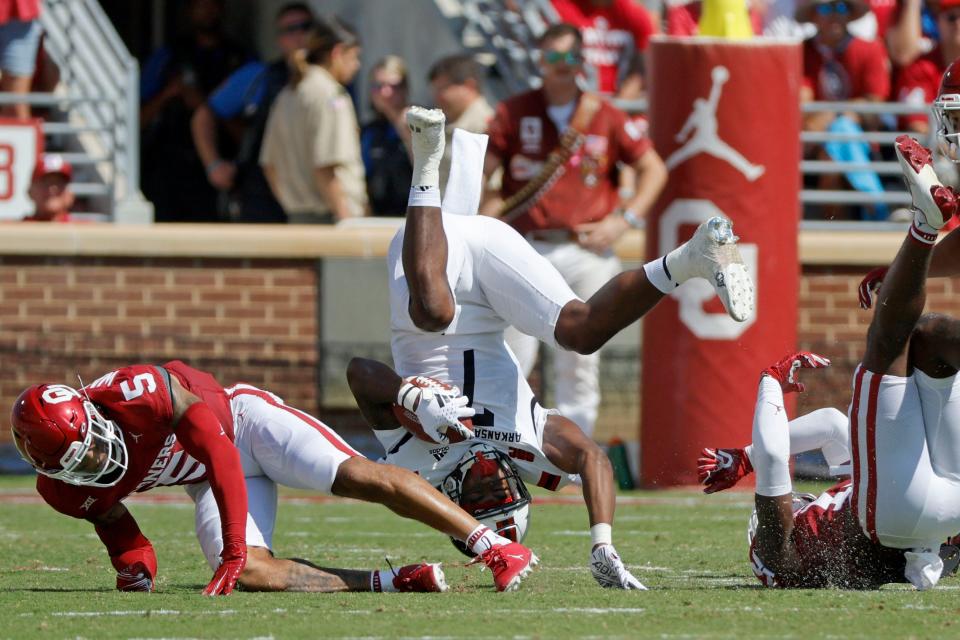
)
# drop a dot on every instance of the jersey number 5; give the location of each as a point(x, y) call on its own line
point(139, 380)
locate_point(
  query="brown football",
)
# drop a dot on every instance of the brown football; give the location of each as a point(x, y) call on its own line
point(412, 424)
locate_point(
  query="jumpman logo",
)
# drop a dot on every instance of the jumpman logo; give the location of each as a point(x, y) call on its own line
point(136, 436)
point(703, 118)
point(775, 406)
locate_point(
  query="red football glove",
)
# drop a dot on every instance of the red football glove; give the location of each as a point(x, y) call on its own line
point(232, 560)
point(719, 469)
point(870, 285)
point(785, 371)
point(135, 577)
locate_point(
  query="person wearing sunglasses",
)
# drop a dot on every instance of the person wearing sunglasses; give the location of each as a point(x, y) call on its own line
point(384, 140)
point(560, 150)
point(245, 98)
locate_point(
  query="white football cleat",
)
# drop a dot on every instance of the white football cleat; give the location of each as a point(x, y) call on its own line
point(609, 571)
point(712, 254)
point(916, 163)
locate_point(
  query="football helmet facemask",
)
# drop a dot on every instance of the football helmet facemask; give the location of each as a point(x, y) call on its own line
point(487, 486)
point(946, 110)
point(64, 436)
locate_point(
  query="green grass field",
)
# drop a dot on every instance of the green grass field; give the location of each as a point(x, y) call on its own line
point(56, 581)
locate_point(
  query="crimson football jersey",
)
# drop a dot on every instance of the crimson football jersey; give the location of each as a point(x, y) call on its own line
point(833, 550)
point(138, 399)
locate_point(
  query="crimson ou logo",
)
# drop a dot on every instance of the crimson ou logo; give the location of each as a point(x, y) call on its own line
point(693, 294)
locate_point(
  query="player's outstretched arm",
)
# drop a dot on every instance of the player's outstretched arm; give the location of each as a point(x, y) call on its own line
point(131, 553)
point(204, 438)
point(374, 386)
point(432, 304)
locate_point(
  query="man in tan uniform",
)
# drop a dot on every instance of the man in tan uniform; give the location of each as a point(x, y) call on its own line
point(311, 149)
point(457, 85)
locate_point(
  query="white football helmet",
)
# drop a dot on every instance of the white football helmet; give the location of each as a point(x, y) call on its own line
point(946, 109)
point(800, 500)
point(487, 486)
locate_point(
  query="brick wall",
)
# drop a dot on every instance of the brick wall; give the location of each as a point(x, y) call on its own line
point(242, 320)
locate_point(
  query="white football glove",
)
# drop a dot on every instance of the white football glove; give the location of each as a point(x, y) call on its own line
point(609, 572)
point(438, 410)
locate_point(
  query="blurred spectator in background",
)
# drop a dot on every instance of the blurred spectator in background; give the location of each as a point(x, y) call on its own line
point(615, 33)
point(50, 190)
point(559, 150)
point(457, 85)
point(20, 33)
point(919, 83)
point(384, 141)
point(912, 30)
point(840, 67)
point(836, 65)
point(174, 82)
point(311, 149)
point(240, 106)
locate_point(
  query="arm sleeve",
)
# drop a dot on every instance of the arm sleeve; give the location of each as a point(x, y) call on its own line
point(243, 87)
point(771, 441)
point(127, 545)
point(204, 438)
point(331, 125)
point(630, 136)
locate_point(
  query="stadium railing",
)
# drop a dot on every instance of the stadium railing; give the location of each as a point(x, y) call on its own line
point(95, 108)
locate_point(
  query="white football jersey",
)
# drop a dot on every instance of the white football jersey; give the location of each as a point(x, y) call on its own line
point(497, 280)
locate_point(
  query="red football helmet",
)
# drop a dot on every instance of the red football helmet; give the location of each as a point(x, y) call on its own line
point(487, 486)
point(63, 435)
point(946, 109)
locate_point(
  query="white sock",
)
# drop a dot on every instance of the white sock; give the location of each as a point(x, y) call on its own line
point(658, 275)
point(770, 454)
point(424, 197)
point(382, 581)
point(483, 538)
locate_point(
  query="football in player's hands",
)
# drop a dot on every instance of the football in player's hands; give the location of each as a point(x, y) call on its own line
point(439, 405)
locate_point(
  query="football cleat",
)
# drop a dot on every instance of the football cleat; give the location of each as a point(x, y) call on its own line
point(936, 202)
point(720, 469)
point(420, 578)
point(785, 371)
point(712, 254)
point(510, 564)
point(609, 571)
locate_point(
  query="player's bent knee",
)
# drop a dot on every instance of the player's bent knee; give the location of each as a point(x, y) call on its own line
point(573, 331)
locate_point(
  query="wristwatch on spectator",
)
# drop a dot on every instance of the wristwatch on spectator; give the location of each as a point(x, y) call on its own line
point(632, 219)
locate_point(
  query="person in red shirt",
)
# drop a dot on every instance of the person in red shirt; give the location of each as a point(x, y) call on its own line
point(576, 216)
point(919, 82)
point(50, 190)
point(615, 33)
point(144, 426)
point(836, 65)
